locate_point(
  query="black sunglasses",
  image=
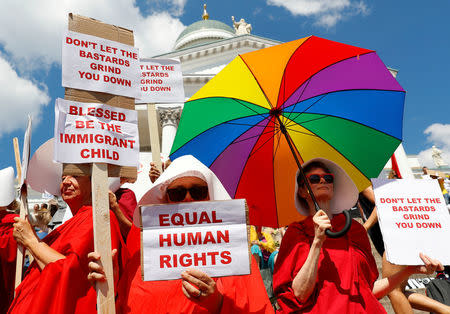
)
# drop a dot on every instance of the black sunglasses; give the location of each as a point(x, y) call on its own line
point(197, 192)
point(315, 178)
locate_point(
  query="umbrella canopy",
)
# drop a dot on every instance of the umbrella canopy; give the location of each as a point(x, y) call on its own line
point(336, 101)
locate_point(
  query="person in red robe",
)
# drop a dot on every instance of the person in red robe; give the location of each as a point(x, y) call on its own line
point(8, 246)
point(56, 282)
point(196, 292)
point(316, 274)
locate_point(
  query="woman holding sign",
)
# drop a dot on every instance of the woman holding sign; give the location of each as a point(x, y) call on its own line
point(56, 281)
point(316, 274)
point(186, 180)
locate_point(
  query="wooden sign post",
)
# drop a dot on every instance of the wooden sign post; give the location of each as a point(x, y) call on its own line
point(22, 170)
point(20, 248)
point(99, 171)
point(152, 117)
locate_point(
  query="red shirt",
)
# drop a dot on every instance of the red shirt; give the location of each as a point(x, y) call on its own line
point(8, 253)
point(346, 271)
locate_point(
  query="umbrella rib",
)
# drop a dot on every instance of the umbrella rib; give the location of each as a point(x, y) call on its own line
point(340, 153)
point(249, 138)
point(261, 114)
point(299, 97)
point(256, 150)
point(303, 111)
point(278, 144)
point(252, 125)
point(290, 123)
point(304, 133)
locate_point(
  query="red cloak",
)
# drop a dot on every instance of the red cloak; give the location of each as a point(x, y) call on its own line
point(62, 286)
point(127, 202)
point(346, 271)
point(241, 294)
point(8, 253)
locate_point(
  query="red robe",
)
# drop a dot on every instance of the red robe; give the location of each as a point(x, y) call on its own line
point(346, 271)
point(127, 202)
point(62, 286)
point(8, 253)
point(241, 294)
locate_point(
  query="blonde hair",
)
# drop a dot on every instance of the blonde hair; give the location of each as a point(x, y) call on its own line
point(43, 217)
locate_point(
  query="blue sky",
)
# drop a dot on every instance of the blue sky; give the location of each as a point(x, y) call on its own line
point(408, 35)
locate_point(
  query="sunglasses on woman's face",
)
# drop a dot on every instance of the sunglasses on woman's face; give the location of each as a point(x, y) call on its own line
point(315, 178)
point(197, 192)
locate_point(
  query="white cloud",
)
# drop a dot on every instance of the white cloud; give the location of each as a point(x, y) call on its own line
point(31, 31)
point(19, 96)
point(325, 12)
point(439, 135)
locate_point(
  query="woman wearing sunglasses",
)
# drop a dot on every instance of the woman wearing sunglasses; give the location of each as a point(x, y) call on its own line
point(316, 274)
point(186, 180)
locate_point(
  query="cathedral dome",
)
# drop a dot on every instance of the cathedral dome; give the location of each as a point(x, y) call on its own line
point(203, 31)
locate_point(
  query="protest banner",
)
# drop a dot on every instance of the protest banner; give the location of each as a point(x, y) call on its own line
point(99, 171)
point(97, 64)
point(413, 219)
point(22, 169)
point(91, 132)
point(161, 81)
point(210, 236)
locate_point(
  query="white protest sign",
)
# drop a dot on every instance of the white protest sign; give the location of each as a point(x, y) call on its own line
point(413, 219)
point(26, 151)
point(92, 132)
point(210, 236)
point(161, 81)
point(97, 64)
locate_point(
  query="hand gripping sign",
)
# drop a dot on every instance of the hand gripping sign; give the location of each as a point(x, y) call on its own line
point(413, 218)
point(210, 236)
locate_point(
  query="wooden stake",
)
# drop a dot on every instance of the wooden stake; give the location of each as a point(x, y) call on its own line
point(102, 236)
point(154, 135)
point(17, 155)
point(23, 203)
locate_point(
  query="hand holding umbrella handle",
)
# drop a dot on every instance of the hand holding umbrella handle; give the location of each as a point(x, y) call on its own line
point(340, 233)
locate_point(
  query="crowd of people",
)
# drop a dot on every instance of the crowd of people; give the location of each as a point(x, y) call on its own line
point(308, 271)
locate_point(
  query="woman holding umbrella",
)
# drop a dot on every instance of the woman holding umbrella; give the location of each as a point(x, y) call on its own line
point(317, 274)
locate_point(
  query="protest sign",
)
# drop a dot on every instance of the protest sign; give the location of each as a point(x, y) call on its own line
point(99, 171)
point(161, 81)
point(413, 218)
point(91, 132)
point(210, 236)
point(97, 64)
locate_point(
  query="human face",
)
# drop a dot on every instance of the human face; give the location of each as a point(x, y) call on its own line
point(187, 183)
point(322, 190)
point(76, 191)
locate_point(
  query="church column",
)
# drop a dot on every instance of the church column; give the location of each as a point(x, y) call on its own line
point(169, 118)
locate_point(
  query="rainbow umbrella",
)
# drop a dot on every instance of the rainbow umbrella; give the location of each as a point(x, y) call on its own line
point(334, 100)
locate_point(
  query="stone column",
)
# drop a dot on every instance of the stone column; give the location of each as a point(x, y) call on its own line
point(169, 118)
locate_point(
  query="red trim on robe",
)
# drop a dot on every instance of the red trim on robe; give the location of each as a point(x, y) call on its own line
point(242, 294)
point(8, 253)
point(346, 274)
point(62, 286)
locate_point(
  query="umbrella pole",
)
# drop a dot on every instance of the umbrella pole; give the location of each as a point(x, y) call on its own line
point(348, 219)
point(288, 139)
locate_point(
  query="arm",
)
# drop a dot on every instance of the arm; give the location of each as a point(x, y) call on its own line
point(386, 285)
point(124, 223)
point(305, 280)
point(42, 253)
point(373, 218)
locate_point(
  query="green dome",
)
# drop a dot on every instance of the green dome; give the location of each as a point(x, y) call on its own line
point(205, 25)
